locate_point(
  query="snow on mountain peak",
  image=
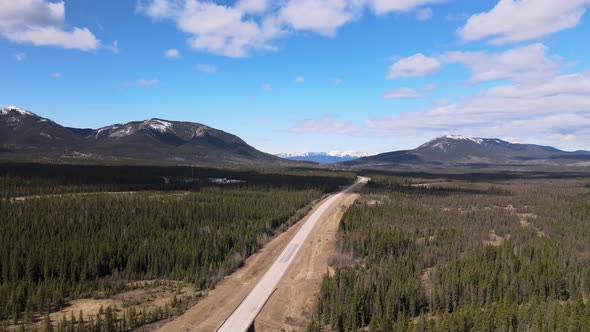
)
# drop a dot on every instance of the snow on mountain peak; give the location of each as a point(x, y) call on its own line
point(11, 109)
point(348, 153)
point(341, 154)
point(156, 124)
point(461, 137)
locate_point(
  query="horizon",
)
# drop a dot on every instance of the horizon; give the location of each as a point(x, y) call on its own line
point(341, 153)
point(370, 76)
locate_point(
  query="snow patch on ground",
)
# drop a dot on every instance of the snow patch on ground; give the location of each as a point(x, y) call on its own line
point(201, 131)
point(46, 135)
point(225, 181)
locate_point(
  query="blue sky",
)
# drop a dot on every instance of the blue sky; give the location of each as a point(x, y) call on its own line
point(303, 75)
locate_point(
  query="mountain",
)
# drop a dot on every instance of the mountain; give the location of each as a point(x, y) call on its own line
point(331, 157)
point(23, 132)
point(457, 150)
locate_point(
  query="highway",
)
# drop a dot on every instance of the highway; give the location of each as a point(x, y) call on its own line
point(243, 317)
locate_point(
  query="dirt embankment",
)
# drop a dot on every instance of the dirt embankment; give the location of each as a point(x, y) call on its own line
point(290, 306)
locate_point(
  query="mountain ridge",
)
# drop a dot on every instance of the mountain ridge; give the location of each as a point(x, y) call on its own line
point(459, 150)
point(22, 131)
point(330, 157)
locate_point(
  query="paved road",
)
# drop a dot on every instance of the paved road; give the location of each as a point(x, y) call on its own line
point(246, 312)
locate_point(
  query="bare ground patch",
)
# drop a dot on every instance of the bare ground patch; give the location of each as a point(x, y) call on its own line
point(291, 305)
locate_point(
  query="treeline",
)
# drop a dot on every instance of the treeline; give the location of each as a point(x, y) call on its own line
point(24, 179)
point(462, 257)
point(111, 319)
point(59, 248)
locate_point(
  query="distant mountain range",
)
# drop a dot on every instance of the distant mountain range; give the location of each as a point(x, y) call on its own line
point(457, 150)
point(331, 157)
point(25, 133)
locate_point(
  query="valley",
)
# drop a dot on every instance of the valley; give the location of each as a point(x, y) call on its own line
point(100, 256)
point(294, 166)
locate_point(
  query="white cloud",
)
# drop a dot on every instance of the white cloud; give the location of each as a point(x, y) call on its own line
point(247, 25)
point(81, 39)
point(536, 111)
point(553, 111)
point(253, 6)
point(40, 23)
point(386, 6)
point(266, 86)
point(401, 93)
point(414, 66)
point(20, 56)
point(321, 16)
point(218, 29)
point(206, 68)
point(423, 14)
point(172, 54)
point(299, 79)
point(519, 64)
point(515, 21)
point(328, 124)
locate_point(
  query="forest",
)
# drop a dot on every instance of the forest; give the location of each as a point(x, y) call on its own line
point(88, 232)
point(465, 254)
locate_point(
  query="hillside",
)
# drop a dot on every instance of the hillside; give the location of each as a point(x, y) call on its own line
point(25, 133)
point(457, 150)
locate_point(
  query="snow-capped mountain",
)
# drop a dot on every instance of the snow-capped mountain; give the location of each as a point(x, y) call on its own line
point(465, 150)
point(323, 157)
point(22, 131)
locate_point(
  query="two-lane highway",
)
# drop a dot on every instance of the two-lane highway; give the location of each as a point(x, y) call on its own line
point(243, 317)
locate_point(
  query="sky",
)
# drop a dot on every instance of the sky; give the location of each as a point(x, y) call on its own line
point(307, 75)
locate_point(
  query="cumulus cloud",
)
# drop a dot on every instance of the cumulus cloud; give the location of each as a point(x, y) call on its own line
point(554, 110)
point(321, 16)
point(519, 64)
point(219, 29)
point(40, 23)
point(519, 20)
point(248, 25)
point(253, 6)
point(387, 6)
point(401, 93)
point(206, 68)
point(172, 54)
point(534, 110)
point(414, 66)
